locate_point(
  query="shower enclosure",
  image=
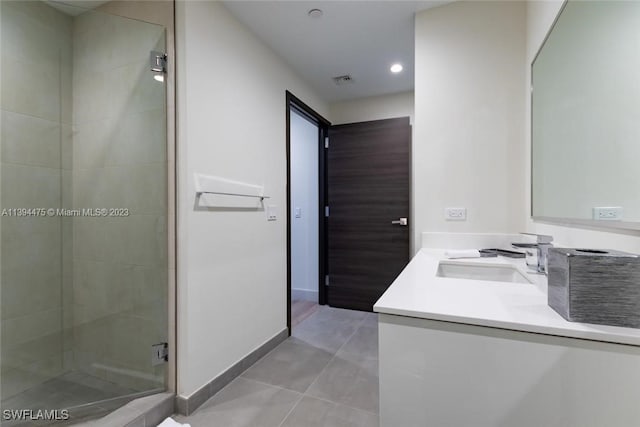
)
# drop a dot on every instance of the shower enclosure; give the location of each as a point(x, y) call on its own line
point(83, 202)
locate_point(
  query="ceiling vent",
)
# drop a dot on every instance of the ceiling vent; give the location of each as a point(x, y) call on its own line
point(343, 80)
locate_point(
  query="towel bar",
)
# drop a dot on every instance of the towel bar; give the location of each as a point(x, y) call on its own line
point(199, 193)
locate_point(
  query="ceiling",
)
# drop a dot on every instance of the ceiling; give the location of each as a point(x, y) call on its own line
point(358, 38)
point(75, 7)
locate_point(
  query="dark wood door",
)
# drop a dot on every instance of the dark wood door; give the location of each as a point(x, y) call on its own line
point(368, 176)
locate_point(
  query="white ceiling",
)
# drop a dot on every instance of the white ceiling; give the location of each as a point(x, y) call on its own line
point(75, 7)
point(360, 38)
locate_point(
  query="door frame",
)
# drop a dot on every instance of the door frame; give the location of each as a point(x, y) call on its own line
point(293, 102)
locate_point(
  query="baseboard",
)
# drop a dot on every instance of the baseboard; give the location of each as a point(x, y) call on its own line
point(304, 294)
point(187, 405)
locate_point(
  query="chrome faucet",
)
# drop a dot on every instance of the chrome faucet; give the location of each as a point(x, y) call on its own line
point(536, 253)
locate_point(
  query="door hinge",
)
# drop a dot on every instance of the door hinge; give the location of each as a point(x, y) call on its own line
point(326, 142)
point(326, 280)
point(159, 353)
point(326, 211)
point(158, 61)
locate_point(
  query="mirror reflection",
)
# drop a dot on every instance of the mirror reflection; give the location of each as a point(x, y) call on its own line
point(585, 115)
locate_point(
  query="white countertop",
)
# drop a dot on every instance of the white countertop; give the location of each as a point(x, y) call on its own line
point(418, 292)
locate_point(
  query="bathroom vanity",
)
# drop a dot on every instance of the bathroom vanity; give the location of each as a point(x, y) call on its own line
point(475, 344)
point(456, 351)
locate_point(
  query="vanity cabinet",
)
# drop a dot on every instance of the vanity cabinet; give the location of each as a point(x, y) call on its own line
point(439, 373)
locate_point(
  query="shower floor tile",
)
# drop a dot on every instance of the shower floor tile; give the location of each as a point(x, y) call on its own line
point(67, 391)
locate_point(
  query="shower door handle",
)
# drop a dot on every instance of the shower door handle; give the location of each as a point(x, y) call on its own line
point(401, 221)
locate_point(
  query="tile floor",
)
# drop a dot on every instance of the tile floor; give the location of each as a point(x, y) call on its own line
point(300, 310)
point(324, 375)
point(70, 390)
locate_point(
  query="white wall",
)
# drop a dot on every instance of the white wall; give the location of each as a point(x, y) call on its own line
point(540, 17)
point(469, 117)
point(304, 196)
point(231, 123)
point(372, 108)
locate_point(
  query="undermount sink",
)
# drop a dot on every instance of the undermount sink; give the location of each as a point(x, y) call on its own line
point(487, 272)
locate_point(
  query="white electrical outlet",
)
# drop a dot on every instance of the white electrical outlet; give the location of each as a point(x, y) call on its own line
point(610, 213)
point(272, 212)
point(455, 214)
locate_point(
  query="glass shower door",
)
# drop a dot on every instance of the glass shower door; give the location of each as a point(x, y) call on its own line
point(83, 202)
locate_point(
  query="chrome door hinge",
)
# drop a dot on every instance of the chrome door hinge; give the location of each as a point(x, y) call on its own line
point(326, 280)
point(326, 142)
point(158, 61)
point(159, 353)
point(326, 211)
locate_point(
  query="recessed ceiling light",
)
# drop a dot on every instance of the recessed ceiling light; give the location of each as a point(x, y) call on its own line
point(396, 68)
point(315, 13)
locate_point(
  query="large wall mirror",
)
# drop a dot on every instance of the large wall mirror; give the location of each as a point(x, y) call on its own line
point(586, 116)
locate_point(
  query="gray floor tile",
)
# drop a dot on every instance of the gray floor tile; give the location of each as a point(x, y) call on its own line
point(138, 422)
point(87, 397)
point(293, 365)
point(332, 358)
point(337, 315)
point(244, 403)
point(161, 411)
point(120, 417)
point(66, 391)
point(108, 387)
point(329, 328)
point(351, 380)
point(144, 411)
point(371, 320)
point(88, 414)
point(311, 412)
point(363, 342)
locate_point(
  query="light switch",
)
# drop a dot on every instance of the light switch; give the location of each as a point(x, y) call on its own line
point(298, 212)
point(272, 212)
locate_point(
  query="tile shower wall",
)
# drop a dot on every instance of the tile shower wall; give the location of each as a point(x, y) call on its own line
point(119, 161)
point(35, 172)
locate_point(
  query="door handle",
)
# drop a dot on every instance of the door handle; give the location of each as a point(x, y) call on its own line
point(401, 221)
